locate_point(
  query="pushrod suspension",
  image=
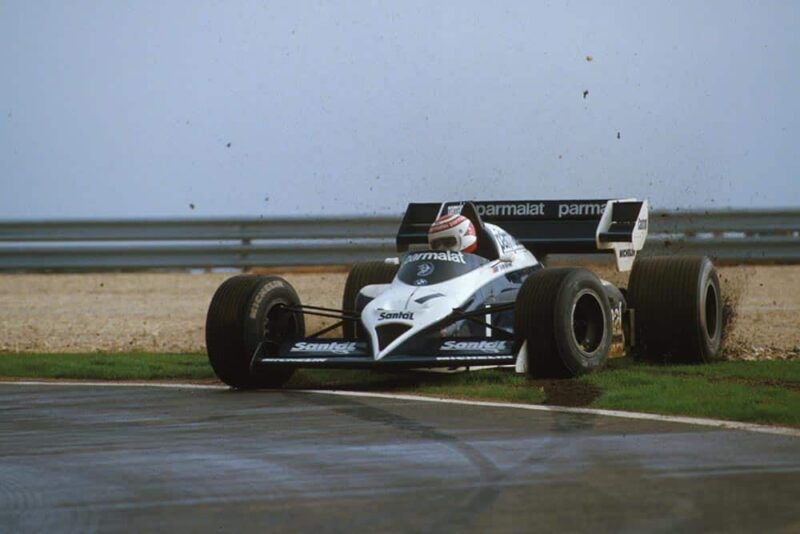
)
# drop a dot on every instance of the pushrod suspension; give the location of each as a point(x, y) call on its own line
point(481, 312)
point(323, 312)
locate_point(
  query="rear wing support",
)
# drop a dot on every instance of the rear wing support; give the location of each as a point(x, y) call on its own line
point(623, 230)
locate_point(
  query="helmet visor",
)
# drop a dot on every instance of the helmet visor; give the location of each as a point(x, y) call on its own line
point(444, 243)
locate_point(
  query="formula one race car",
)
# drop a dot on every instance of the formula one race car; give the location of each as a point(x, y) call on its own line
point(495, 306)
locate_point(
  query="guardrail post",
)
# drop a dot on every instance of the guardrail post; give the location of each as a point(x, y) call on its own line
point(243, 257)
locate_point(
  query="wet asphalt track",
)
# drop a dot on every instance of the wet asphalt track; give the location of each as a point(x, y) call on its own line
point(138, 459)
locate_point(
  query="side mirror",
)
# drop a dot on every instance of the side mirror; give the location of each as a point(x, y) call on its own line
point(507, 256)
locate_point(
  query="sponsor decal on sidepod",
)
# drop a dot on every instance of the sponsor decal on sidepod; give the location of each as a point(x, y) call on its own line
point(334, 347)
point(480, 346)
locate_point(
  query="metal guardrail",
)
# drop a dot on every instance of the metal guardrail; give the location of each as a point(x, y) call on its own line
point(187, 256)
point(783, 221)
point(734, 236)
point(74, 245)
point(238, 229)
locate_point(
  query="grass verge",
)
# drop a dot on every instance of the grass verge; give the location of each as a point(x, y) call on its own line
point(759, 392)
point(100, 366)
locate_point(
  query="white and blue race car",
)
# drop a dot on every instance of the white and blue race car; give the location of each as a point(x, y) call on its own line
point(497, 306)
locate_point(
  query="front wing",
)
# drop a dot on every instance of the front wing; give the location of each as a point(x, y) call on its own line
point(343, 353)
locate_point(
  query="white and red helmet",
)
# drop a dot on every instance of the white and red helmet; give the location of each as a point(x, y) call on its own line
point(453, 232)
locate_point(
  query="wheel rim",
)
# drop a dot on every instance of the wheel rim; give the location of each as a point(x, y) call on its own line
point(711, 311)
point(588, 322)
point(279, 325)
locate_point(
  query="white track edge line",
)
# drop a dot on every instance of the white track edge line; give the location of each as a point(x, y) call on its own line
point(716, 423)
point(120, 384)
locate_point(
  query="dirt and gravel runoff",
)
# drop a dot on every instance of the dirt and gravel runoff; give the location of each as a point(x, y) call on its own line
point(165, 312)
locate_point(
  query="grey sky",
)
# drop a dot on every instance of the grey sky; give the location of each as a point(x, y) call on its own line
point(126, 108)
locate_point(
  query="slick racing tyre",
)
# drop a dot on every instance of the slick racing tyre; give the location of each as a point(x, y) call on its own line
point(363, 274)
point(245, 311)
point(565, 318)
point(677, 309)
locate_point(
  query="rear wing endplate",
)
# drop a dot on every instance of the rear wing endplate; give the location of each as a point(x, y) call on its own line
point(547, 226)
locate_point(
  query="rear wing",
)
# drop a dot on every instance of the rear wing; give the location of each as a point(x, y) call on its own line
point(546, 226)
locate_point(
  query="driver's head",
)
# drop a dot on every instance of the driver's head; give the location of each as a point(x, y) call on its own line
point(453, 232)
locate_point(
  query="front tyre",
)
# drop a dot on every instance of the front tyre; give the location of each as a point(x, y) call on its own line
point(245, 311)
point(565, 318)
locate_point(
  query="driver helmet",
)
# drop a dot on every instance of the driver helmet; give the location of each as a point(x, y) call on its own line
point(453, 232)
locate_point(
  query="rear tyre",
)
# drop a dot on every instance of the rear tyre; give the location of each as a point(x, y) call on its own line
point(565, 317)
point(677, 309)
point(361, 275)
point(245, 311)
